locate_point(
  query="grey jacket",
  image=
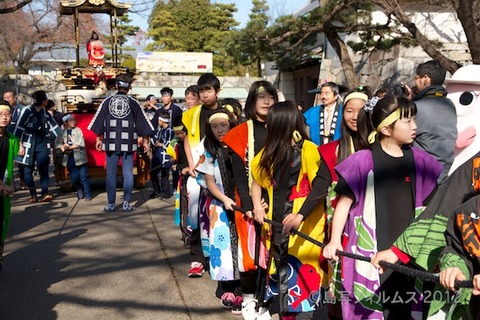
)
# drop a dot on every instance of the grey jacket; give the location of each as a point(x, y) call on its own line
point(436, 125)
point(79, 154)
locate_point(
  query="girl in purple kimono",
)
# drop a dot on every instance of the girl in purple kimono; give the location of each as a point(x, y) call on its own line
point(384, 189)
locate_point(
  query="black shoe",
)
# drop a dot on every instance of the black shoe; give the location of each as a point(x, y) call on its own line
point(166, 195)
point(153, 195)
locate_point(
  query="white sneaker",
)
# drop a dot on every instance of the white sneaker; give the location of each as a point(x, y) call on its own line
point(263, 314)
point(248, 309)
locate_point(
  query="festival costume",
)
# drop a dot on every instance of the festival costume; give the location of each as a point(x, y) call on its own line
point(241, 140)
point(120, 120)
point(95, 52)
point(9, 145)
point(315, 120)
point(16, 110)
point(361, 282)
point(219, 237)
point(176, 150)
point(191, 121)
point(161, 160)
point(424, 239)
point(27, 132)
point(7, 175)
point(294, 272)
point(463, 243)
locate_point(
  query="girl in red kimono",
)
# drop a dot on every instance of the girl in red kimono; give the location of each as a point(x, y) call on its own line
point(95, 51)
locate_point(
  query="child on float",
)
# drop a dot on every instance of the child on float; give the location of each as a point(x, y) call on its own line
point(246, 140)
point(323, 193)
point(286, 167)
point(380, 189)
point(217, 220)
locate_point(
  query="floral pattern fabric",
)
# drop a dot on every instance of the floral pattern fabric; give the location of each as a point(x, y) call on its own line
point(217, 236)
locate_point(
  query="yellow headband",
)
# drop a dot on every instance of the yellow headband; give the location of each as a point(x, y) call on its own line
point(178, 128)
point(219, 115)
point(394, 116)
point(356, 95)
point(4, 107)
point(229, 108)
point(261, 89)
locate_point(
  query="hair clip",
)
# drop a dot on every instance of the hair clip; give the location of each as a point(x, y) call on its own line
point(370, 104)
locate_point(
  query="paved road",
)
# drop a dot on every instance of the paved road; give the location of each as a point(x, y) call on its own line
point(68, 260)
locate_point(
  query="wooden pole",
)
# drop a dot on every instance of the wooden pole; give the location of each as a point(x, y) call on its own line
point(77, 37)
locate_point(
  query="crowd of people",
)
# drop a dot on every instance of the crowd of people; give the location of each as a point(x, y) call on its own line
point(362, 173)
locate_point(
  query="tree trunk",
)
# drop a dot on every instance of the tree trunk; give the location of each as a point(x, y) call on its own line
point(422, 41)
point(465, 12)
point(259, 68)
point(342, 51)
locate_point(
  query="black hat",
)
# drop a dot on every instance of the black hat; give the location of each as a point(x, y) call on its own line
point(123, 80)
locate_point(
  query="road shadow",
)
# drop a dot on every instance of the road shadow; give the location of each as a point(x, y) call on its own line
point(27, 275)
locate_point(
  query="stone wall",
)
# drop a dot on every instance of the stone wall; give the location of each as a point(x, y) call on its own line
point(27, 84)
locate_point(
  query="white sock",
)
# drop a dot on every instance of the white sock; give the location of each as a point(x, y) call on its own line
point(248, 297)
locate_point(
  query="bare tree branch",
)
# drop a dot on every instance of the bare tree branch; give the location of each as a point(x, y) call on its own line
point(19, 6)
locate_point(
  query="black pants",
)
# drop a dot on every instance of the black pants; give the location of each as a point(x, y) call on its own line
point(196, 253)
point(165, 181)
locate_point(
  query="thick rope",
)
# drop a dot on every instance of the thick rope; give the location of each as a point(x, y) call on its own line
point(413, 273)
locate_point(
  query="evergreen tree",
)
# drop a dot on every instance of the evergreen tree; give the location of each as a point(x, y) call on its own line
point(194, 26)
point(248, 45)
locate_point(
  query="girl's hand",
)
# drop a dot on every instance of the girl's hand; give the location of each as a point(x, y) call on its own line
point(264, 204)
point(228, 203)
point(476, 285)
point(385, 255)
point(192, 172)
point(291, 221)
point(259, 215)
point(450, 275)
point(330, 250)
point(249, 214)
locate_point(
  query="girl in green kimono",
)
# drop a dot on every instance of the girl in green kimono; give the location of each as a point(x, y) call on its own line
point(9, 146)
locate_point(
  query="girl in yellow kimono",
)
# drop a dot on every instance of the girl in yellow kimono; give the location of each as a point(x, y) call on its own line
point(286, 167)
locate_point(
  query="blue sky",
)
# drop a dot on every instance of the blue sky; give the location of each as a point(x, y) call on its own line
point(277, 8)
